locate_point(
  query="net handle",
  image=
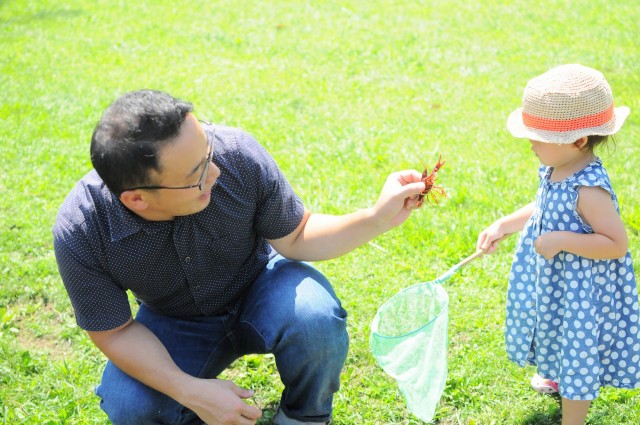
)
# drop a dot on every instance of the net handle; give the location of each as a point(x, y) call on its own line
point(479, 253)
point(469, 259)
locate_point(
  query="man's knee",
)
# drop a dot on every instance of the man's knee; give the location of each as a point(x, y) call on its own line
point(319, 326)
point(318, 316)
point(129, 402)
point(126, 412)
point(294, 305)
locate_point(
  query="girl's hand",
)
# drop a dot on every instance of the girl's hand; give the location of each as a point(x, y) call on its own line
point(549, 244)
point(500, 229)
point(490, 237)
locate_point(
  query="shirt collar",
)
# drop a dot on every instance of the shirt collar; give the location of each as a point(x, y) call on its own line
point(123, 222)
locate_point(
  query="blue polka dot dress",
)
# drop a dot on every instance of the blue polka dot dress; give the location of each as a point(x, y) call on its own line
point(575, 318)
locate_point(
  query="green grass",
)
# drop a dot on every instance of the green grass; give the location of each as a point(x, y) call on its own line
point(341, 93)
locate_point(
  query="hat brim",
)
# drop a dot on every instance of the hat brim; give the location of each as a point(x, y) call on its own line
point(519, 130)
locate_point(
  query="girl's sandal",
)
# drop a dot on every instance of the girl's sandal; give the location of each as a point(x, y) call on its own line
point(544, 386)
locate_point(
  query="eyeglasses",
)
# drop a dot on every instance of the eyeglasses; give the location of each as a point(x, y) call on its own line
point(211, 135)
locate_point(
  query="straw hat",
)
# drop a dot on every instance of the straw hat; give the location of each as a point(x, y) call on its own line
point(564, 104)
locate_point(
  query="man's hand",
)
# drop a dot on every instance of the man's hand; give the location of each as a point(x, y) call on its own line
point(139, 353)
point(398, 197)
point(219, 402)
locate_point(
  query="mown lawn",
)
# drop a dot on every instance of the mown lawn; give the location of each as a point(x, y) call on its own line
point(341, 93)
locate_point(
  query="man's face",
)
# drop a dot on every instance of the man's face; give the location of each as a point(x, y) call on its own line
point(183, 161)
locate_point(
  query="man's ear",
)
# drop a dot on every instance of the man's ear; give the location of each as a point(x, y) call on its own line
point(134, 200)
point(581, 142)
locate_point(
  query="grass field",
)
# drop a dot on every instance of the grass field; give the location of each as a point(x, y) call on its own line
point(341, 93)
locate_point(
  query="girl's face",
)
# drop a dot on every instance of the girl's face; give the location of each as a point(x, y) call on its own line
point(560, 155)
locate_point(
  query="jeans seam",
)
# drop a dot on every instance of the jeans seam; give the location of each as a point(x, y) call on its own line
point(227, 336)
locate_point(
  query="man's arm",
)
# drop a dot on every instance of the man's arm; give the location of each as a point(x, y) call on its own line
point(321, 236)
point(136, 351)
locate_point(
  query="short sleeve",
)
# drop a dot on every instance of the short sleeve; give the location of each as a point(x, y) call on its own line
point(543, 170)
point(99, 303)
point(279, 209)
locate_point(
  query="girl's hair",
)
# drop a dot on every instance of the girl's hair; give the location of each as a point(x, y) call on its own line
point(600, 142)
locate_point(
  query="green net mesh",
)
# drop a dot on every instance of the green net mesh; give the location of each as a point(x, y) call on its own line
point(409, 341)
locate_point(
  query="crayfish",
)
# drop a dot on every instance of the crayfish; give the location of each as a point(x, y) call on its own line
point(429, 180)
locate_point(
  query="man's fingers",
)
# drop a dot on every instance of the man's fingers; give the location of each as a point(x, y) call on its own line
point(251, 412)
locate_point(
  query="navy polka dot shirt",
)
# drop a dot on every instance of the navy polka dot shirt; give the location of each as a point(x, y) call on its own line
point(193, 265)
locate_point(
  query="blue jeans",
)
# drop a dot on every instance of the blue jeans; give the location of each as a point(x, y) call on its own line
point(290, 311)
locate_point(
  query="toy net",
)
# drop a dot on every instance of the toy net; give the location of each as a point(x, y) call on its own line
point(409, 341)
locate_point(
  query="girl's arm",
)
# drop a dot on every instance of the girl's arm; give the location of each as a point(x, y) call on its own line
point(490, 237)
point(609, 237)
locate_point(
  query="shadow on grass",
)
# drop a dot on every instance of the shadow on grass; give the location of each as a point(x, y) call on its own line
point(552, 416)
point(44, 15)
point(268, 412)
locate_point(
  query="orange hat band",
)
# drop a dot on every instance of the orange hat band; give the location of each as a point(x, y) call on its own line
point(549, 124)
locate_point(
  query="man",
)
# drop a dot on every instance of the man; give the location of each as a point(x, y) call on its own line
point(198, 222)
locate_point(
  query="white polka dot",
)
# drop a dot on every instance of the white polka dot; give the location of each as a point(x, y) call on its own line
point(588, 306)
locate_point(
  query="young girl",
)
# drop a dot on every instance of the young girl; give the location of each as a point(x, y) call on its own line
point(572, 302)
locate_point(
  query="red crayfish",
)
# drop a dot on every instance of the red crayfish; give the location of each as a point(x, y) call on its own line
point(429, 180)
